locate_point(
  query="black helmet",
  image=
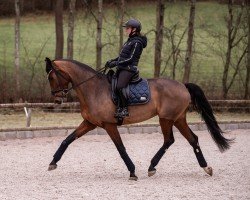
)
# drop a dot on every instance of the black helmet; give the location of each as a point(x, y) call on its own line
point(134, 23)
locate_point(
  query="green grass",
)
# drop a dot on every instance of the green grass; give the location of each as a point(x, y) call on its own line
point(207, 65)
point(45, 119)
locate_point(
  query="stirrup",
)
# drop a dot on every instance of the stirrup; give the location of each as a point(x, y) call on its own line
point(125, 112)
point(117, 112)
point(121, 113)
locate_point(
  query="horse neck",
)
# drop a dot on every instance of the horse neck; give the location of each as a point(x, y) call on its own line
point(85, 82)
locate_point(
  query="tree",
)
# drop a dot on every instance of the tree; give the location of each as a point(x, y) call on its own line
point(99, 35)
point(71, 29)
point(159, 37)
point(121, 12)
point(175, 42)
point(233, 41)
point(59, 28)
point(17, 47)
point(246, 96)
point(189, 52)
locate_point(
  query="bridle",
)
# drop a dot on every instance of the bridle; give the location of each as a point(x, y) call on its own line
point(65, 91)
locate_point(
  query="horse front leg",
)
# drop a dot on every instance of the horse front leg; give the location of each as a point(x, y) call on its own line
point(84, 127)
point(116, 138)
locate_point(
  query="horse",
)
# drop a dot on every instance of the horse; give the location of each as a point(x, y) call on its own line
point(170, 100)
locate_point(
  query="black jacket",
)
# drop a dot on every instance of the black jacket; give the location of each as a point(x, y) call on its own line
point(131, 52)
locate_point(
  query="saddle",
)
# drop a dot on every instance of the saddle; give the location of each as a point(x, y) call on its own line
point(136, 93)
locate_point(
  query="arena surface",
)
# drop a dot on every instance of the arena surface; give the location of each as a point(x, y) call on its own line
point(91, 168)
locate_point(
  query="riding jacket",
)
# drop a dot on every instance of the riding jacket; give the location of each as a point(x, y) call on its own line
point(130, 54)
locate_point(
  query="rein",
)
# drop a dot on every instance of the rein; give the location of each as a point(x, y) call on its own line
point(66, 91)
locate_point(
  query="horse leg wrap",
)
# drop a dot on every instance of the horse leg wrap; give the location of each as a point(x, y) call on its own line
point(155, 160)
point(198, 153)
point(130, 165)
point(63, 147)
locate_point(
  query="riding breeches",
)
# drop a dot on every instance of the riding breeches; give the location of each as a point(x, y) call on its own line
point(124, 77)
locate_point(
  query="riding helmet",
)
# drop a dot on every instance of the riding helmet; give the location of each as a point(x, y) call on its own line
point(134, 23)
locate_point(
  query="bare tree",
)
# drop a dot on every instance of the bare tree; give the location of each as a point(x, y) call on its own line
point(3, 75)
point(71, 29)
point(159, 36)
point(121, 12)
point(175, 42)
point(32, 67)
point(246, 96)
point(98, 20)
point(17, 48)
point(233, 41)
point(189, 52)
point(59, 28)
point(99, 35)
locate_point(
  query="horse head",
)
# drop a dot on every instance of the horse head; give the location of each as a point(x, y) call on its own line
point(58, 80)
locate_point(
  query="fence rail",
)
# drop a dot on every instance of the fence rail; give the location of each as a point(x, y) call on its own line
point(220, 103)
point(39, 105)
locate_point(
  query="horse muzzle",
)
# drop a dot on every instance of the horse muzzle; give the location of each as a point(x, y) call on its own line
point(60, 100)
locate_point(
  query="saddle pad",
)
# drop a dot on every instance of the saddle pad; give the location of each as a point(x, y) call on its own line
point(137, 93)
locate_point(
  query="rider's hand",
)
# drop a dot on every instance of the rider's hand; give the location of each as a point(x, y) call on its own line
point(108, 63)
point(112, 64)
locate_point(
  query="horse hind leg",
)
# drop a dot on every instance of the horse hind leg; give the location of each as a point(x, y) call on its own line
point(166, 127)
point(182, 125)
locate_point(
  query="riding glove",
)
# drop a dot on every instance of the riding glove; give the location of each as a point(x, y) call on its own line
point(111, 63)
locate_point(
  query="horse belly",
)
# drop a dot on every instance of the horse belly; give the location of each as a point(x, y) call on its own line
point(140, 113)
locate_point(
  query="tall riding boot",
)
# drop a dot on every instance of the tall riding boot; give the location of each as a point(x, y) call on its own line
point(122, 109)
point(124, 105)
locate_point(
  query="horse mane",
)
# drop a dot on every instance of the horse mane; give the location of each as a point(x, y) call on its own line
point(81, 65)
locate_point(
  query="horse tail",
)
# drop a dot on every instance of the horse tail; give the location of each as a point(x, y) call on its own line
point(203, 107)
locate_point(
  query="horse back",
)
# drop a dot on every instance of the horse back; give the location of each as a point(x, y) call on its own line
point(169, 94)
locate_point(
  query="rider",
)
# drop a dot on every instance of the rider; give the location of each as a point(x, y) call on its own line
point(127, 62)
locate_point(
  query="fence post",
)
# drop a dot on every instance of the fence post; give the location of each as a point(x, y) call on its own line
point(28, 116)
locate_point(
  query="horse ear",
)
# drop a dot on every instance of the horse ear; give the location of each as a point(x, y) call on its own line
point(48, 65)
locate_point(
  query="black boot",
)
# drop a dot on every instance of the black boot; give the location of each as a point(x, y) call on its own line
point(122, 108)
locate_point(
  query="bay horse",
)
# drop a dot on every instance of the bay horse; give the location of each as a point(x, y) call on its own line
point(170, 100)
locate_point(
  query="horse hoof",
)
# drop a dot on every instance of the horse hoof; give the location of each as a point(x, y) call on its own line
point(151, 173)
point(133, 178)
point(52, 167)
point(208, 170)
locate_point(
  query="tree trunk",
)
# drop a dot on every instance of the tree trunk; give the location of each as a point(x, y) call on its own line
point(189, 52)
point(159, 37)
point(122, 12)
point(59, 29)
point(229, 49)
point(71, 29)
point(17, 48)
point(246, 96)
point(99, 36)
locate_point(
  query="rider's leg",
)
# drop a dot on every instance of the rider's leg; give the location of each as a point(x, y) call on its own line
point(123, 80)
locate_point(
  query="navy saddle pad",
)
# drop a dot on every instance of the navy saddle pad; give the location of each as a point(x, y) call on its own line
point(137, 93)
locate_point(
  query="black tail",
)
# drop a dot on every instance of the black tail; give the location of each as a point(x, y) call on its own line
point(203, 107)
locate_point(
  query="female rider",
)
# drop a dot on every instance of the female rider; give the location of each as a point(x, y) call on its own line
point(127, 62)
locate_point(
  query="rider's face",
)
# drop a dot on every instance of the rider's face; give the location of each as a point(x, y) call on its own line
point(128, 30)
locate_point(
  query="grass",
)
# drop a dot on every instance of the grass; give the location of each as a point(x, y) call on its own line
point(45, 119)
point(207, 65)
